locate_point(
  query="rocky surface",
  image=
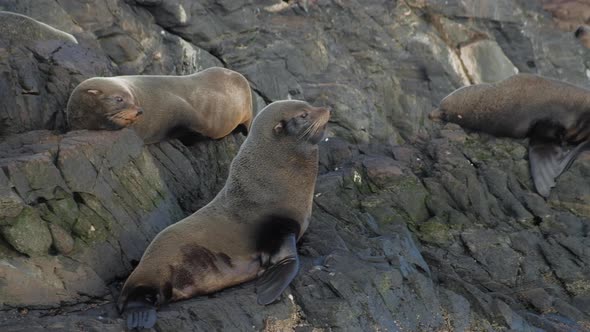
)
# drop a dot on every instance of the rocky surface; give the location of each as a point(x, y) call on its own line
point(416, 226)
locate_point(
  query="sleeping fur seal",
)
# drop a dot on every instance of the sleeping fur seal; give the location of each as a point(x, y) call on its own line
point(212, 103)
point(250, 227)
point(555, 115)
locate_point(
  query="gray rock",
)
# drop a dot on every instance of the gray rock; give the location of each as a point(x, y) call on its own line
point(62, 240)
point(486, 62)
point(28, 233)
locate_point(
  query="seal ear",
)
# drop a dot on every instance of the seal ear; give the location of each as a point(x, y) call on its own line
point(94, 92)
point(279, 128)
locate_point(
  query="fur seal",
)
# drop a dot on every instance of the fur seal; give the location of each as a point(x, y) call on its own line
point(212, 103)
point(18, 28)
point(554, 115)
point(250, 228)
point(583, 35)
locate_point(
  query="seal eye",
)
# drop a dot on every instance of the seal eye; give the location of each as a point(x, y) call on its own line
point(303, 116)
point(118, 99)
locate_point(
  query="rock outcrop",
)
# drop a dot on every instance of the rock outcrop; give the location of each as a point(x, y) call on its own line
point(416, 226)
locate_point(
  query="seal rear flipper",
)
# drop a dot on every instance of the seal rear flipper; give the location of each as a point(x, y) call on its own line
point(280, 274)
point(140, 315)
point(548, 160)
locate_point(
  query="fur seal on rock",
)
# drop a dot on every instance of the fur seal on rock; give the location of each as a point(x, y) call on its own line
point(212, 103)
point(17, 28)
point(250, 228)
point(552, 113)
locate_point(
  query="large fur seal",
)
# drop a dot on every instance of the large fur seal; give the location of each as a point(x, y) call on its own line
point(552, 113)
point(249, 228)
point(17, 28)
point(212, 103)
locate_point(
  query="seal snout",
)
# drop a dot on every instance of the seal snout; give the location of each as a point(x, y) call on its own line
point(436, 115)
point(321, 114)
point(126, 117)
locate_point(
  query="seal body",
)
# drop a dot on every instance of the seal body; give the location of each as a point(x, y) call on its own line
point(552, 113)
point(249, 228)
point(212, 103)
point(20, 29)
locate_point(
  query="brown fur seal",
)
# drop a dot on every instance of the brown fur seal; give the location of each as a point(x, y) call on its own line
point(551, 113)
point(212, 103)
point(17, 28)
point(583, 35)
point(249, 228)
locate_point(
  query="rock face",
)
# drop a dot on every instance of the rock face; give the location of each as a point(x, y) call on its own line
point(416, 227)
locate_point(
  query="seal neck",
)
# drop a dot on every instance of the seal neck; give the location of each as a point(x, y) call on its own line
point(278, 176)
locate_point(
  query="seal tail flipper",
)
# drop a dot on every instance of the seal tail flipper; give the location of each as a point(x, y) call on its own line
point(548, 160)
point(140, 315)
point(280, 274)
point(138, 305)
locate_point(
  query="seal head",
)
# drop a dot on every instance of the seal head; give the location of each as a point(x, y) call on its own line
point(102, 104)
point(295, 120)
point(463, 106)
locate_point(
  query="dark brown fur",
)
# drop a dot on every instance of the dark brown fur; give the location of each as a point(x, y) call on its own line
point(195, 255)
point(213, 103)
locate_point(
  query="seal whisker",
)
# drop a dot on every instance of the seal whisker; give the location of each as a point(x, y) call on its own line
point(307, 131)
point(317, 125)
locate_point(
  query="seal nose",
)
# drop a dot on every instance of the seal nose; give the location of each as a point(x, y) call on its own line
point(324, 109)
point(435, 115)
point(139, 111)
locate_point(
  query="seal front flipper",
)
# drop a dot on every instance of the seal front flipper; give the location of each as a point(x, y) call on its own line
point(548, 160)
point(140, 315)
point(280, 274)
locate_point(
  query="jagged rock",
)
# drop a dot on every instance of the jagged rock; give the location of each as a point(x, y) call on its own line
point(62, 240)
point(94, 195)
point(486, 62)
point(10, 203)
point(27, 233)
